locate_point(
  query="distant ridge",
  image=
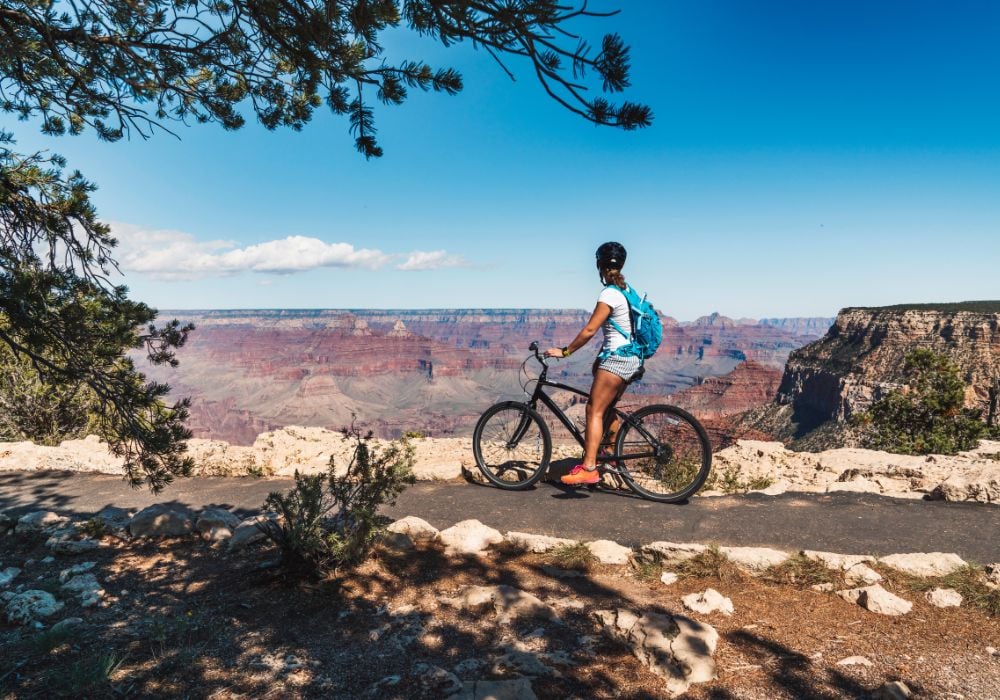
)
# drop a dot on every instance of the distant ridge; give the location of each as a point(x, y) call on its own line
point(986, 307)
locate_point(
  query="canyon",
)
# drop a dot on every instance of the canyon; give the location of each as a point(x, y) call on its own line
point(861, 359)
point(434, 371)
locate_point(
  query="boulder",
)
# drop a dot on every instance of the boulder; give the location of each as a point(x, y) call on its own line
point(862, 574)
point(86, 587)
point(81, 568)
point(982, 485)
point(854, 566)
point(673, 647)
point(511, 689)
point(927, 564)
point(40, 521)
point(943, 598)
point(216, 524)
point(8, 575)
point(249, 531)
point(608, 552)
point(538, 544)
point(417, 529)
point(25, 607)
point(877, 600)
point(755, 559)
point(114, 518)
point(162, 520)
point(708, 601)
point(66, 542)
point(670, 551)
point(468, 537)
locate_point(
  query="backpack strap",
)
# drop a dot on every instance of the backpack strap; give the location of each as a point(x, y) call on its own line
point(628, 305)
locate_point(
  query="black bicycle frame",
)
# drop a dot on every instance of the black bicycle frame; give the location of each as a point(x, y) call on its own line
point(539, 395)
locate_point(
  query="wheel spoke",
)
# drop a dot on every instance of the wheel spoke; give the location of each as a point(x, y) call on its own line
point(681, 452)
point(511, 445)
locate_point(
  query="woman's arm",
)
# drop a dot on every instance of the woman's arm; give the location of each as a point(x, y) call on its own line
point(597, 319)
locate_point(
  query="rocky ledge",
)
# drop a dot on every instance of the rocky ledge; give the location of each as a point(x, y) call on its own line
point(968, 476)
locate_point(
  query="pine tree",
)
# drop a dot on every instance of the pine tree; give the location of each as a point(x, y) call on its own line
point(121, 67)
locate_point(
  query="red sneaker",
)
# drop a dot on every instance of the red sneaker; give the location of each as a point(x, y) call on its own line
point(581, 475)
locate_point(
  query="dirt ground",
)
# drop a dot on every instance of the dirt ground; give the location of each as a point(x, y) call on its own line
point(183, 619)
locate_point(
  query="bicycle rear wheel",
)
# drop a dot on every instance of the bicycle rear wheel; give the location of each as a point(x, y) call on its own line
point(512, 445)
point(680, 453)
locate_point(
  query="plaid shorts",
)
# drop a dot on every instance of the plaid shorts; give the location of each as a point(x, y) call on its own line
point(621, 365)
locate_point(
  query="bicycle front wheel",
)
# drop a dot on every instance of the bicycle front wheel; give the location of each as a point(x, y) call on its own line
point(678, 453)
point(512, 445)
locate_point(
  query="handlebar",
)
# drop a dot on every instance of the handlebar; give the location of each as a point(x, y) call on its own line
point(538, 356)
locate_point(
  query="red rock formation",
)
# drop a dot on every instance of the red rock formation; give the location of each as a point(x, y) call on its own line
point(416, 370)
point(748, 386)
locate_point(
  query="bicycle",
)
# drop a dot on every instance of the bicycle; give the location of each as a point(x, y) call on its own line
point(661, 452)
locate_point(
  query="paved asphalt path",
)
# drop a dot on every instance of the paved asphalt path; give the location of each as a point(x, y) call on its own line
point(841, 522)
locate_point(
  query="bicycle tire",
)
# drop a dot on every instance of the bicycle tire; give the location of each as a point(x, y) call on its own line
point(533, 461)
point(684, 453)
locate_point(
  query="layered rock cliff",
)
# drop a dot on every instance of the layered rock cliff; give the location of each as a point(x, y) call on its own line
point(860, 360)
point(249, 371)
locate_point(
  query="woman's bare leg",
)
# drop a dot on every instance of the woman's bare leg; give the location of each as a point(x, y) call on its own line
point(605, 392)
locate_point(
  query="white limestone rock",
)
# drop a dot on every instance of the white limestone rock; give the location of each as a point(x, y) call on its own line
point(926, 564)
point(673, 647)
point(944, 598)
point(755, 559)
point(469, 537)
point(162, 520)
point(86, 587)
point(670, 552)
point(854, 661)
point(26, 607)
point(417, 529)
point(877, 600)
point(249, 531)
point(668, 578)
point(216, 524)
point(608, 552)
point(707, 602)
point(538, 544)
point(40, 521)
point(8, 575)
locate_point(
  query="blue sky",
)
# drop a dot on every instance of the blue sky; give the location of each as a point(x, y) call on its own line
point(804, 157)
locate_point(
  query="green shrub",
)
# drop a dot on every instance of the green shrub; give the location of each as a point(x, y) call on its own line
point(927, 415)
point(329, 521)
point(730, 482)
point(414, 435)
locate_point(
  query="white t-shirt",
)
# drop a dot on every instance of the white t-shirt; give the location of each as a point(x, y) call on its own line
point(613, 297)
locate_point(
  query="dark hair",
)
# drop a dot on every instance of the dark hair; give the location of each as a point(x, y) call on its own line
point(613, 277)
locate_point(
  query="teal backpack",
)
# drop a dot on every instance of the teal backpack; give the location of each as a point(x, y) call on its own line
point(647, 330)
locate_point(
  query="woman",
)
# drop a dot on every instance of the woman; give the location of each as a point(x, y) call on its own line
point(612, 372)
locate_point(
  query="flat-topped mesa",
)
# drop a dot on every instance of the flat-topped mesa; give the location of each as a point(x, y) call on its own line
point(860, 359)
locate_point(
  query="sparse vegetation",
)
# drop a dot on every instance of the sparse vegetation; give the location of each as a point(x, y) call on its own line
point(572, 556)
point(328, 520)
point(85, 677)
point(801, 571)
point(414, 435)
point(927, 415)
point(94, 527)
point(730, 481)
point(646, 570)
point(711, 563)
point(969, 581)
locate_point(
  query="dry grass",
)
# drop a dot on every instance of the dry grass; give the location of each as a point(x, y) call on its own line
point(711, 563)
point(802, 572)
point(969, 581)
point(572, 556)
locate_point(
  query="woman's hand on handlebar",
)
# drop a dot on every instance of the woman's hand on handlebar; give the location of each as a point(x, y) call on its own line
point(554, 352)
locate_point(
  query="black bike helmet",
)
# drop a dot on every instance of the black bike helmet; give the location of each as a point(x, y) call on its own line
point(611, 255)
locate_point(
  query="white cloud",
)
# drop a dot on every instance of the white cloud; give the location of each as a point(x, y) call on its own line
point(167, 254)
point(431, 260)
